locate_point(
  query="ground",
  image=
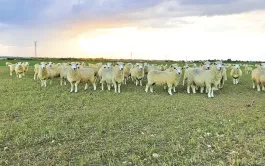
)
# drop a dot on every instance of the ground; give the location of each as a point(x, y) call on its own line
point(50, 126)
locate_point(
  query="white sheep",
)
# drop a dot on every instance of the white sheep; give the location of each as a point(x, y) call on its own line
point(8, 63)
point(112, 75)
point(258, 76)
point(36, 70)
point(137, 73)
point(78, 75)
point(201, 78)
point(43, 74)
point(25, 66)
point(19, 69)
point(169, 78)
point(127, 73)
point(12, 68)
point(236, 73)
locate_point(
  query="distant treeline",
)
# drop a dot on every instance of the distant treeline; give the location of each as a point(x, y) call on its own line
point(123, 60)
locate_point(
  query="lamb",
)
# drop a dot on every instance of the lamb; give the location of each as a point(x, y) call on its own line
point(258, 76)
point(171, 79)
point(201, 78)
point(19, 69)
point(113, 75)
point(137, 73)
point(236, 73)
point(76, 75)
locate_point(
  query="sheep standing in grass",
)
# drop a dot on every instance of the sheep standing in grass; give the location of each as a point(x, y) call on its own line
point(169, 78)
point(201, 78)
point(112, 75)
point(95, 68)
point(127, 73)
point(19, 69)
point(78, 75)
point(43, 74)
point(137, 73)
point(12, 68)
point(236, 73)
point(36, 70)
point(258, 76)
point(248, 69)
point(25, 66)
point(54, 71)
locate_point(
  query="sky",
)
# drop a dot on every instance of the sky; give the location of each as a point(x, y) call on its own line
point(149, 29)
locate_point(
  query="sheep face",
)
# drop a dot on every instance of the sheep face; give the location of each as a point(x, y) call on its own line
point(186, 66)
point(120, 65)
point(237, 66)
point(108, 65)
point(43, 65)
point(218, 66)
point(75, 66)
point(140, 66)
point(178, 70)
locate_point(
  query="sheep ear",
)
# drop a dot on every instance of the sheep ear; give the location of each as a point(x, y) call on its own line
point(182, 68)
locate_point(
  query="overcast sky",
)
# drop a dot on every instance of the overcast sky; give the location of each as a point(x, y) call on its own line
point(150, 29)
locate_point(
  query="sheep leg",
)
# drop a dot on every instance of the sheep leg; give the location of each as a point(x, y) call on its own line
point(212, 92)
point(209, 90)
point(193, 88)
point(174, 89)
point(258, 87)
point(108, 86)
point(10, 72)
point(50, 81)
point(146, 88)
point(151, 89)
point(86, 86)
point(72, 87)
point(165, 87)
point(19, 75)
point(169, 89)
point(263, 88)
point(119, 88)
point(102, 85)
point(202, 89)
point(141, 83)
point(45, 83)
point(237, 80)
point(76, 87)
point(136, 82)
point(253, 84)
point(35, 75)
point(115, 87)
point(64, 82)
point(94, 85)
point(41, 82)
point(188, 89)
point(234, 81)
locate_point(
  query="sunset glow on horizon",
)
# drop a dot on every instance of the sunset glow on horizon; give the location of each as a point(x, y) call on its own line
point(154, 32)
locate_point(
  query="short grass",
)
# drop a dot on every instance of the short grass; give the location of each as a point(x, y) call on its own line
point(50, 126)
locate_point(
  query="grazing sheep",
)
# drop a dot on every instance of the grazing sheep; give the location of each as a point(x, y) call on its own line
point(19, 69)
point(258, 76)
point(236, 73)
point(171, 79)
point(201, 78)
point(76, 75)
point(137, 73)
point(112, 75)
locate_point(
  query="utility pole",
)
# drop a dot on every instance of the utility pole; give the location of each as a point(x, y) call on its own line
point(35, 46)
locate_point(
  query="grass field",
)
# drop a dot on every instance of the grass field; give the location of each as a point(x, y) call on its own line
point(50, 126)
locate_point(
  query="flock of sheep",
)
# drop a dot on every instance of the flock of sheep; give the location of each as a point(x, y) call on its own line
point(208, 76)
